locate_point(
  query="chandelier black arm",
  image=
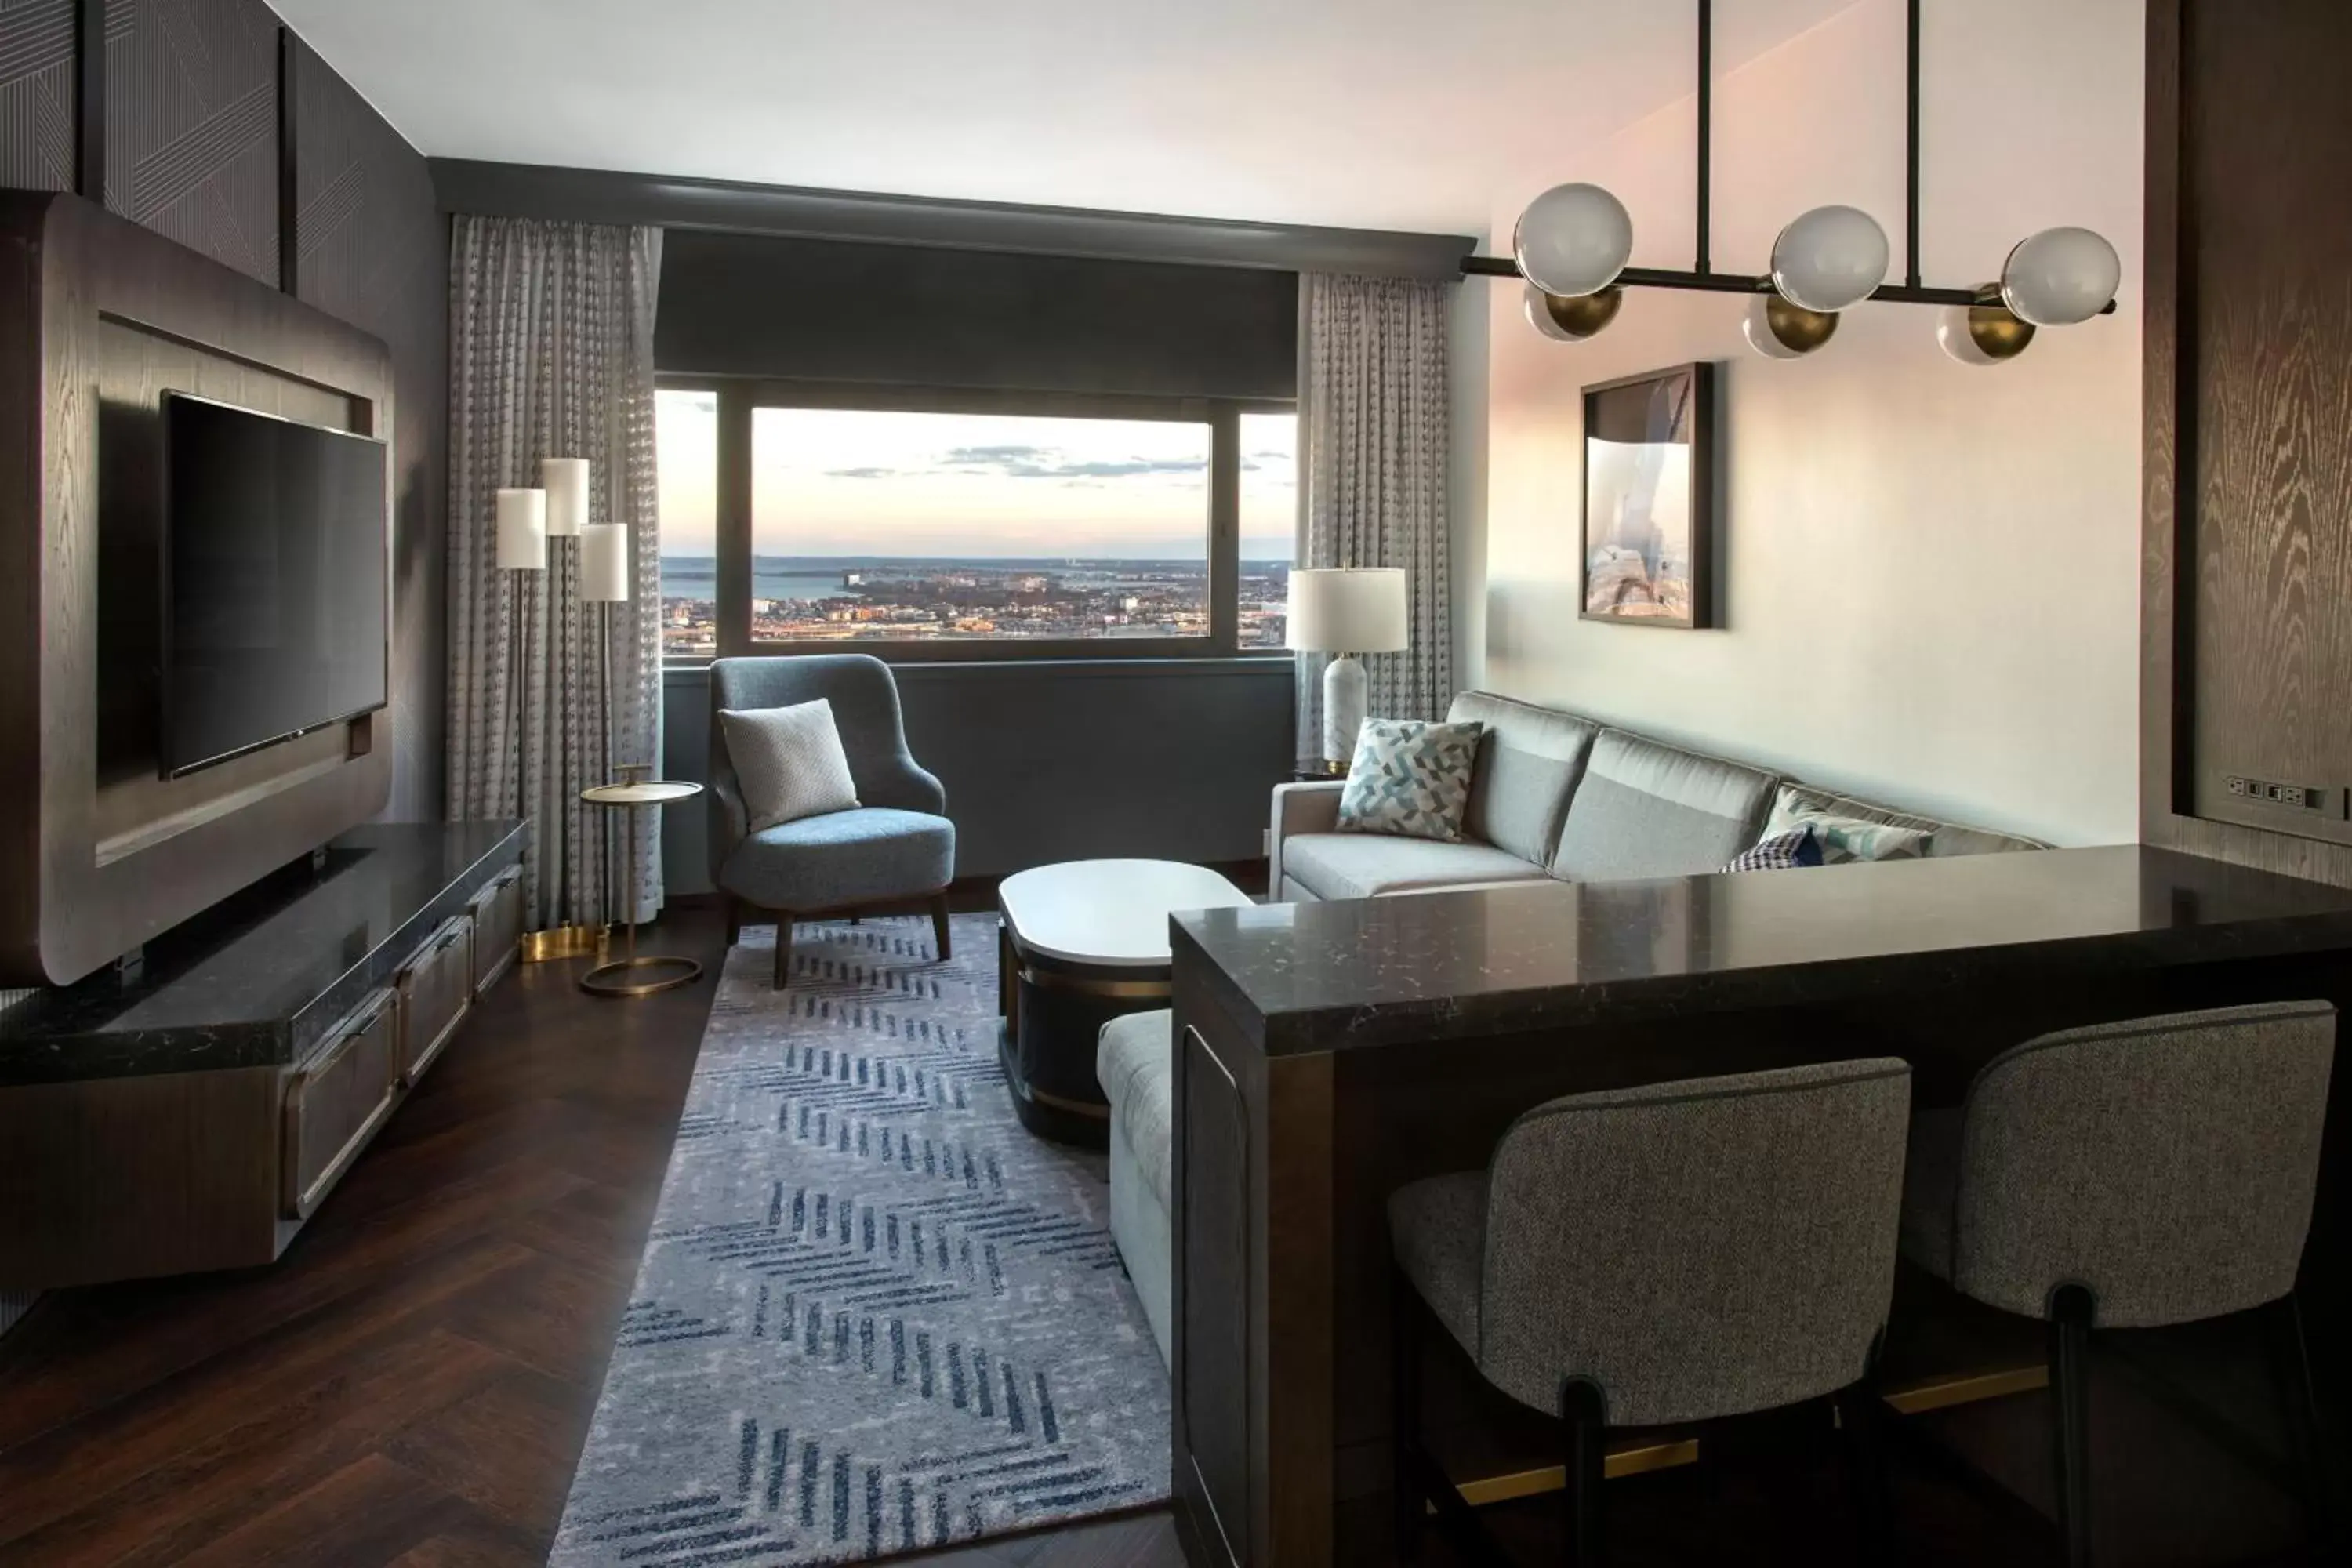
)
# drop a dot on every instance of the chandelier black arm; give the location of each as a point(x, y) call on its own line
point(1741, 283)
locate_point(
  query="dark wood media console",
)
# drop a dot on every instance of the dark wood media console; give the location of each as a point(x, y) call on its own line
point(192, 1113)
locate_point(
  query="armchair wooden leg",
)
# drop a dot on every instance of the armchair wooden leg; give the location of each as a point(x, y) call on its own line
point(783, 949)
point(734, 918)
point(940, 924)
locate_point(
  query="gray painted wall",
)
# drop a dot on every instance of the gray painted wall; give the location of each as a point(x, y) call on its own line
point(1058, 760)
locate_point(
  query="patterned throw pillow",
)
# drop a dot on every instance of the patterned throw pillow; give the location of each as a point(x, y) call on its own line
point(1798, 847)
point(1410, 778)
point(1849, 839)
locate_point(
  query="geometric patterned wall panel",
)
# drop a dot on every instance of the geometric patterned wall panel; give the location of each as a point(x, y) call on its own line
point(37, 95)
point(191, 125)
point(370, 245)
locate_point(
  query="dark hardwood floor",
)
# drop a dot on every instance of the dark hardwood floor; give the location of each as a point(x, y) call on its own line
point(412, 1382)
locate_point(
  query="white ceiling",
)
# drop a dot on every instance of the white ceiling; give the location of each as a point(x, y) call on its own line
point(1376, 113)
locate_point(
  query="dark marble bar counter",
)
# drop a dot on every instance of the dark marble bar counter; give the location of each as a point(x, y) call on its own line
point(1331, 976)
point(258, 979)
point(1328, 1054)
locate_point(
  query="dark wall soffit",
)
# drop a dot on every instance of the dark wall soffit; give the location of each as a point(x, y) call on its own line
point(595, 196)
point(1261, 667)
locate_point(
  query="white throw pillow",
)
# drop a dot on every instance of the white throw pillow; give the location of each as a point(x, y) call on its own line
point(789, 762)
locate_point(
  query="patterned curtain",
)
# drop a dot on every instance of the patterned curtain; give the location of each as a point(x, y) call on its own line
point(1372, 434)
point(552, 355)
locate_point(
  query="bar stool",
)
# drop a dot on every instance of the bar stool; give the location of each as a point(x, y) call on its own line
point(1674, 1253)
point(2133, 1176)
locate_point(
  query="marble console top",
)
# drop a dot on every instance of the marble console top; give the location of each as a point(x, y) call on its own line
point(1332, 976)
point(259, 978)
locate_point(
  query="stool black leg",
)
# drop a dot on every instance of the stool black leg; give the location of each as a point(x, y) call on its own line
point(2298, 1403)
point(1863, 1440)
point(1404, 1373)
point(2071, 1310)
point(1584, 1464)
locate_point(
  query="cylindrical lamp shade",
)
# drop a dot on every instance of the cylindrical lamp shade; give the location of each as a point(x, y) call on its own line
point(523, 531)
point(604, 562)
point(566, 481)
point(1355, 609)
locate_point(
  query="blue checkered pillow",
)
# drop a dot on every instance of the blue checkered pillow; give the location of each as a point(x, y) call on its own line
point(1798, 847)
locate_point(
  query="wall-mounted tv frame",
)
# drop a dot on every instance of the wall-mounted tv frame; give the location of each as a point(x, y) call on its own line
point(275, 581)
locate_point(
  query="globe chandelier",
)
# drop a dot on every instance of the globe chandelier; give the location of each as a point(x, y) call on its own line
point(1572, 243)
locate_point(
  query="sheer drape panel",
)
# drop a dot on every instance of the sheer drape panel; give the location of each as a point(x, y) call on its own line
point(1373, 426)
point(552, 354)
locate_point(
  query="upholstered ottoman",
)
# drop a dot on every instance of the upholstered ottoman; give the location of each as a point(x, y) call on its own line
point(1133, 1062)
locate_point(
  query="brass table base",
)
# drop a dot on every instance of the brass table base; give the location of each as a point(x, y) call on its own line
point(607, 979)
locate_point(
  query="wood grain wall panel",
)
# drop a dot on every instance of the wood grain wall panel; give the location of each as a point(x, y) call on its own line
point(191, 125)
point(372, 247)
point(39, 96)
point(119, 314)
point(2247, 559)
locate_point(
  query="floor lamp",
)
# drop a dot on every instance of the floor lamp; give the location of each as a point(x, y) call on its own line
point(527, 518)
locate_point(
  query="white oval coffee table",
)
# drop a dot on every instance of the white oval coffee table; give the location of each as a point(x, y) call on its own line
point(1079, 944)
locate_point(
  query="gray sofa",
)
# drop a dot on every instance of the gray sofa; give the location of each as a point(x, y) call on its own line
point(1556, 798)
point(1561, 797)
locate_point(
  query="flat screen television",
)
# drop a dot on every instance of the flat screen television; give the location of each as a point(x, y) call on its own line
point(274, 590)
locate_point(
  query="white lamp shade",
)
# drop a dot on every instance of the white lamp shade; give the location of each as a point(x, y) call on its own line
point(1573, 240)
point(1357, 609)
point(1829, 258)
point(2060, 277)
point(523, 531)
point(604, 562)
point(565, 480)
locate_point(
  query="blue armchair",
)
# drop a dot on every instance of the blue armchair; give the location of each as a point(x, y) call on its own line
point(895, 845)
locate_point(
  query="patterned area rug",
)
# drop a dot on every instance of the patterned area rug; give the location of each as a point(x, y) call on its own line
point(874, 1315)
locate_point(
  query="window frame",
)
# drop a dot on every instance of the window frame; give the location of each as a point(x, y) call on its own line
point(740, 397)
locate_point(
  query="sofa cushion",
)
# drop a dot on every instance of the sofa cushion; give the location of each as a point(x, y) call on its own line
point(1650, 810)
point(1795, 802)
point(1133, 1062)
point(1529, 761)
point(1365, 865)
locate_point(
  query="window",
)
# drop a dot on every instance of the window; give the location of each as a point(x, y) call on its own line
point(685, 458)
point(927, 524)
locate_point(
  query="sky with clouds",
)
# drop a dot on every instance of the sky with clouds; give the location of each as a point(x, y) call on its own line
point(847, 482)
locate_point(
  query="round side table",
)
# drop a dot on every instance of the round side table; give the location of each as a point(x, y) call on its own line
point(663, 972)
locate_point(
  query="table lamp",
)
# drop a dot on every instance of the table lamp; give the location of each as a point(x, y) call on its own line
point(1346, 611)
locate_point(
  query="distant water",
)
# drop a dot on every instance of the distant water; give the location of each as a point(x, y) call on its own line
point(702, 584)
point(801, 585)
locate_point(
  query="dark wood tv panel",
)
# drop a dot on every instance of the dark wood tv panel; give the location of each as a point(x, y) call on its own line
point(98, 850)
point(1329, 1053)
point(192, 1113)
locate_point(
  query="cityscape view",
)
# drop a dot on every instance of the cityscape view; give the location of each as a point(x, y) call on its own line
point(852, 599)
point(892, 526)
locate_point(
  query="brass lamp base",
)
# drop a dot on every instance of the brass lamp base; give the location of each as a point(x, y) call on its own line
point(611, 979)
point(563, 941)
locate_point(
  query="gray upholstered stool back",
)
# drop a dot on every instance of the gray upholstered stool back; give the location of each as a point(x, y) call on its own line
point(1697, 1249)
point(2166, 1164)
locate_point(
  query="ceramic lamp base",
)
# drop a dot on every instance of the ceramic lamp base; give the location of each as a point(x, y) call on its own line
point(1346, 691)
